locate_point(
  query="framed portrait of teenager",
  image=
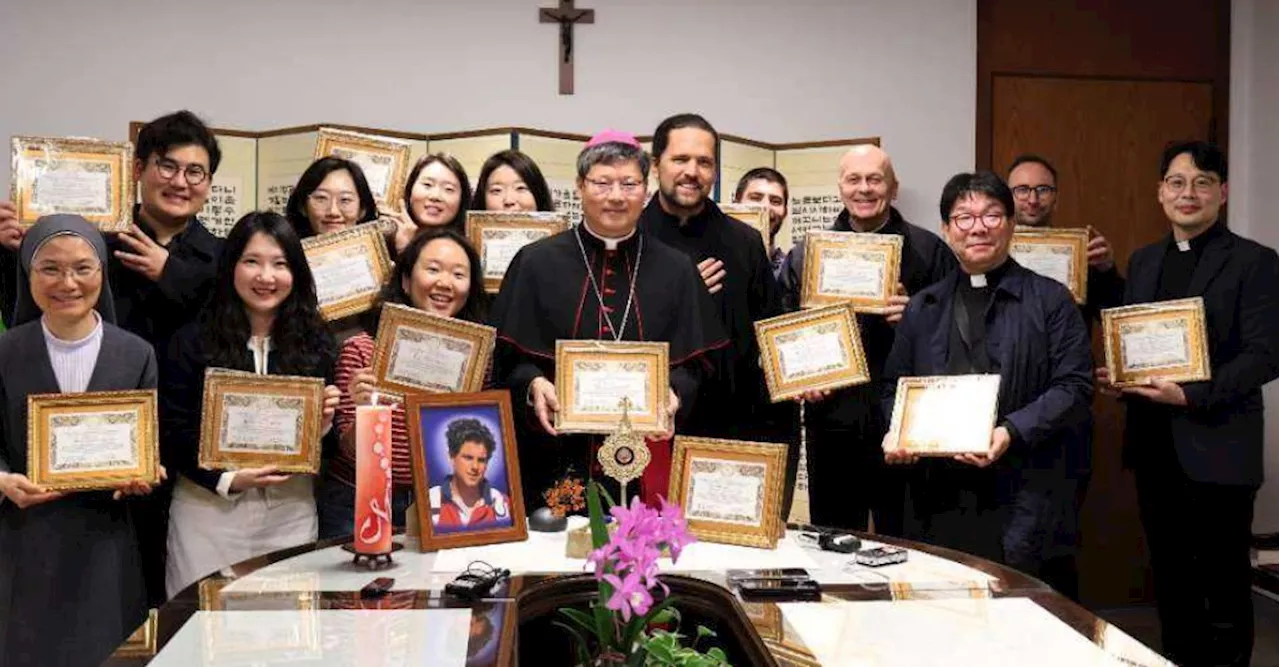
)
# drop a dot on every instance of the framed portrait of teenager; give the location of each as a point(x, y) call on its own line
point(753, 214)
point(594, 376)
point(384, 161)
point(499, 235)
point(466, 474)
point(350, 267)
point(861, 269)
point(250, 421)
point(811, 350)
point(87, 177)
point(1061, 254)
point(92, 440)
point(142, 643)
point(730, 490)
point(1165, 340)
point(417, 351)
point(944, 415)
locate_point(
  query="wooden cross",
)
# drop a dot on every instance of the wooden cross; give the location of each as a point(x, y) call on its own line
point(567, 16)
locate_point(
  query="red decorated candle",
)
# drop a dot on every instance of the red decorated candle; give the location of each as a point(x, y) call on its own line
point(373, 479)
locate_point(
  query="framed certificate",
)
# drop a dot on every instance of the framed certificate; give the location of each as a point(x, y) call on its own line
point(499, 235)
point(593, 376)
point(861, 269)
point(944, 415)
point(250, 420)
point(1165, 340)
point(93, 440)
point(418, 351)
point(812, 349)
point(730, 490)
point(292, 634)
point(350, 267)
point(87, 177)
point(464, 446)
point(1061, 254)
point(753, 214)
point(384, 161)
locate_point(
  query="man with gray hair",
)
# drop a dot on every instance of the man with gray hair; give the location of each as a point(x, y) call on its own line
point(601, 280)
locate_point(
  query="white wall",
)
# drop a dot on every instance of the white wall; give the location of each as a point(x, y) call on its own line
point(1252, 205)
point(776, 71)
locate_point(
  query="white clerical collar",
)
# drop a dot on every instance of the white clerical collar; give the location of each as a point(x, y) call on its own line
point(977, 280)
point(1184, 245)
point(609, 244)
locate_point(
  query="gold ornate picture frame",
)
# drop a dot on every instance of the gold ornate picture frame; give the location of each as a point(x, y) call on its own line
point(416, 351)
point(744, 478)
point(498, 235)
point(384, 161)
point(60, 427)
point(142, 643)
point(430, 419)
point(755, 215)
point(350, 268)
point(1061, 254)
point(944, 415)
point(811, 350)
point(87, 177)
point(592, 376)
point(238, 404)
point(1165, 340)
point(831, 257)
point(225, 637)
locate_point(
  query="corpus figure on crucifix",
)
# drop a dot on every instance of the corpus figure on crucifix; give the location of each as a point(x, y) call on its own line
point(567, 16)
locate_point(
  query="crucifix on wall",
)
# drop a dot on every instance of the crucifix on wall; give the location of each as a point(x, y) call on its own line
point(567, 16)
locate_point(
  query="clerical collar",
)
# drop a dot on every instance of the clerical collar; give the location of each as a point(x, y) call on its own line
point(1198, 243)
point(990, 279)
point(609, 244)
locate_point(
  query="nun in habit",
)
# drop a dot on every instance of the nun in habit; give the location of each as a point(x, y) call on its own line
point(71, 587)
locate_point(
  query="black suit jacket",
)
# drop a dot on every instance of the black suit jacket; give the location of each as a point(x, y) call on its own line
point(1218, 436)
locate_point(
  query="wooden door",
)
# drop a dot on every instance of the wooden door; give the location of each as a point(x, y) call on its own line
point(1105, 138)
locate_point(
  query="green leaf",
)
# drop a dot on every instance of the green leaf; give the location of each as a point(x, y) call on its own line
point(599, 534)
point(704, 631)
point(582, 618)
point(665, 616)
point(662, 650)
point(604, 621)
point(580, 642)
point(718, 655)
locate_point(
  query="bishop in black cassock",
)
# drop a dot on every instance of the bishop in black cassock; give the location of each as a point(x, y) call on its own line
point(602, 280)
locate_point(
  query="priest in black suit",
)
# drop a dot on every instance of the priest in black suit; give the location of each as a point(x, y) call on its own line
point(1196, 448)
point(601, 280)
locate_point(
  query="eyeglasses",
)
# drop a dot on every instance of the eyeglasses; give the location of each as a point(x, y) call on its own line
point(1200, 184)
point(964, 222)
point(1024, 191)
point(53, 272)
point(323, 200)
point(604, 187)
point(194, 173)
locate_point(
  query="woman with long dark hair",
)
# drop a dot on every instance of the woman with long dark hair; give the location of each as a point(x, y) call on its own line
point(435, 195)
point(511, 181)
point(71, 584)
point(261, 318)
point(438, 273)
point(331, 195)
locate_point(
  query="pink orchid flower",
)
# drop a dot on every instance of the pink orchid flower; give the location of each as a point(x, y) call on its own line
point(628, 595)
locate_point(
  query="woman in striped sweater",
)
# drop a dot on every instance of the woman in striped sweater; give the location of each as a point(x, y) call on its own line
point(438, 272)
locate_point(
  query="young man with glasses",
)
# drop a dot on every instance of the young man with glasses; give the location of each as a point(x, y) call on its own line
point(1196, 449)
point(995, 317)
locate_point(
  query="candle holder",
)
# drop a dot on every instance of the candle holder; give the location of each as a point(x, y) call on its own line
point(372, 561)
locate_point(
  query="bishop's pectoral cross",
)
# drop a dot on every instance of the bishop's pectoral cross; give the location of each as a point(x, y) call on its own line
point(567, 16)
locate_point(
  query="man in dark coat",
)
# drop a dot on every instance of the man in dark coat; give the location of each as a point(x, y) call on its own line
point(995, 317)
point(1196, 449)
